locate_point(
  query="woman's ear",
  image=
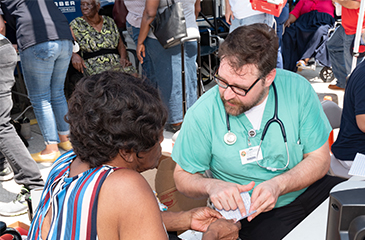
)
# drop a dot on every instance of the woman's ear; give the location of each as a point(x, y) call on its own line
point(127, 155)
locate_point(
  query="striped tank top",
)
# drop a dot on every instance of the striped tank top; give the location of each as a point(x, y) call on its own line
point(74, 201)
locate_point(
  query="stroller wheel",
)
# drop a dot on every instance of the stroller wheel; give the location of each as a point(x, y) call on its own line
point(326, 74)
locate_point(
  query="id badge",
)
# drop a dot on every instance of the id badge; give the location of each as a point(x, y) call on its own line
point(248, 155)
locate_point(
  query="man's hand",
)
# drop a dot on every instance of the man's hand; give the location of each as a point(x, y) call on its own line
point(226, 195)
point(222, 229)
point(264, 197)
point(202, 217)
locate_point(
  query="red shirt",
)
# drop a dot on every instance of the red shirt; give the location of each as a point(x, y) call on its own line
point(305, 6)
point(349, 20)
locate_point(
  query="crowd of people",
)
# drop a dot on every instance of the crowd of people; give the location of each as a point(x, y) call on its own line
point(261, 129)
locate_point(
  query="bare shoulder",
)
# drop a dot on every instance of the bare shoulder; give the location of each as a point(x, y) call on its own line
point(126, 202)
point(128, 185)
point(125, 180)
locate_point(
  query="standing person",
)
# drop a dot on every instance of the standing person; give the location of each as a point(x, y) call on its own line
point(351, 137)
point(280, 21)
point(133, 23)
point(240, 13)
point(45, 47)
point(339, 43)
point(167, 62)
point(12, 148)
point(228, 131)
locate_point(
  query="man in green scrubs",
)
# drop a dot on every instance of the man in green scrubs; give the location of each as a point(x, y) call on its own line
point(286, 179)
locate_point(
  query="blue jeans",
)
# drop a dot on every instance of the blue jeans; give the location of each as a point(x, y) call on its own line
point(259, 18)
point(167, 65)
point(338, 46)
point(279, 31)
point(146, 65)
point(26, 171)
point(44, 67)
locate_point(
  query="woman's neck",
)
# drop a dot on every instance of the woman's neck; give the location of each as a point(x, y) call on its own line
point(94, 21)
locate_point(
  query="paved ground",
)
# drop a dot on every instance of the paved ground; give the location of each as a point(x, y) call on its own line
point(9, 189)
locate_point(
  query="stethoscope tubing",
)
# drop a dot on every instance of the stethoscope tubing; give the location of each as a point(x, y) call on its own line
point(274, 119)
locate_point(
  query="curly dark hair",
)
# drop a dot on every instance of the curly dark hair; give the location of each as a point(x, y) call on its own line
point(251, 44)
point(112, 111)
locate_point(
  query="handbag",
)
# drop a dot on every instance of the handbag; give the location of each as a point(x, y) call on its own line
point(120, 13)
point(169, 27)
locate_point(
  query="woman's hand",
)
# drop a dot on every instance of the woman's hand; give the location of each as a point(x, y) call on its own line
point(77, 62)
point(290, 20)
point(228, 13)
point(124, 62)
point(202, 217)
point(141, 52)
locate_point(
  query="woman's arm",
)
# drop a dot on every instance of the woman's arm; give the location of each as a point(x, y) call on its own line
point(76, 60)
point(124, 62)
point(149, 14)
point(290, 20)
point(228, 13)
point(197, 9)
point(197, 219)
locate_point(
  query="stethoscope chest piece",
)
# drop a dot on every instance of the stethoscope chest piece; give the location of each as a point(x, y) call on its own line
point(230, 138)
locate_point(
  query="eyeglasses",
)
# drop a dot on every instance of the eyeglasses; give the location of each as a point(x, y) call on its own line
point(238, 90)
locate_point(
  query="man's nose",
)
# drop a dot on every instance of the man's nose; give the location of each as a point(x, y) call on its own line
point(229, 94)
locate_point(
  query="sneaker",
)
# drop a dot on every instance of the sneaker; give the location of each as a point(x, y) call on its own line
point(7, 173)
point(17, 207)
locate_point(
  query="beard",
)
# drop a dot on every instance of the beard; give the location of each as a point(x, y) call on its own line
point(240, 107)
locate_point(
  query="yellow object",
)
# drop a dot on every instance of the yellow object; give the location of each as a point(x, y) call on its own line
point(33, 121)
point(51, 157)
point(65, 145)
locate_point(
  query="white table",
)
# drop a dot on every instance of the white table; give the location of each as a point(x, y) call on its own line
point(314, 226)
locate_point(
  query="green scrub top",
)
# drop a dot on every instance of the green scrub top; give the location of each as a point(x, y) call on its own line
point(200, 145)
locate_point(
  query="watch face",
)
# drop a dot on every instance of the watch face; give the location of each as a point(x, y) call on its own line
point(230, 138)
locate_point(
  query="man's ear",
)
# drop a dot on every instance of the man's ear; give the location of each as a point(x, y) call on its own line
point(127, 155)
point(270, 77)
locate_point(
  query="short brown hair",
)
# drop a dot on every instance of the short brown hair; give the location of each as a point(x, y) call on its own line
point(251, 44)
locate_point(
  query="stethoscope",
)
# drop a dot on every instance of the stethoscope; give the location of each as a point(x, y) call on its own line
point(230, 138)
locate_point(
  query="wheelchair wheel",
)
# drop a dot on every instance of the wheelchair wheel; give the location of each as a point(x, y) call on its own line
point(326, 74)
